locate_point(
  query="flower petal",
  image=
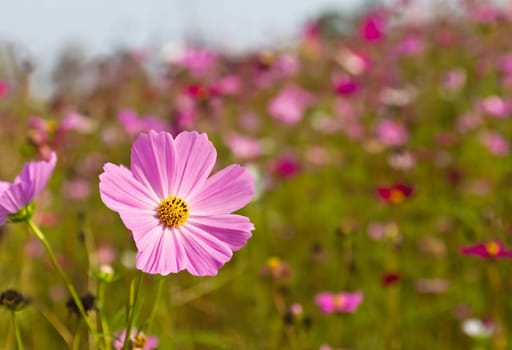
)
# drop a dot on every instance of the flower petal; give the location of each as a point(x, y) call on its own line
point(234, 230)
point(153, 162)
point(35, 175)
point(197, 156)
point(13, 199)
point(228, 190)
point(204, 253)
point(121, 192)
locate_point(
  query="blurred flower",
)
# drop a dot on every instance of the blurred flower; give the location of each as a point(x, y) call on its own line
point(380, 230)
point(76, 189)
point(198, 61)
point(354, 62)
point(105, 254)
point(391, 133)
point(454, 79)
point(133, 124)
point(488, 250)
point(411, 45)
point(390, 278)
point(372, 27)
point(4, 88)
point(345, 85)
point(15, 197)
point(88, 302)
point(180, 219)
point(289, 105)
point(244, 147)
point(276, 268)
point(476, 328)
point(138, 341)
point(495, 106)
point(395, 194)
point(286, 166)
point(13, 300)
point(432, 285)
point(495, 143)
point(402, 160)
point(338, 302)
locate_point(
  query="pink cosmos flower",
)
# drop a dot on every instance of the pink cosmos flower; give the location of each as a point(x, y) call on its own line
point(345, 85)
point(133, 124)
point(391, 133)
point(244, 147)
point(495, 106)
point(373, 26)
point(4, 88)
point(288, 107)
point(488, 250)
point(26, 186)
point(338, 302)
point(139, 341)
point(179, 217)
point(495, 143)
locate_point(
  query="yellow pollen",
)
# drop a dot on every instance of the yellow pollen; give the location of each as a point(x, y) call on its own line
point(138, 341)
point(339, 301)
point(173, 211)
point(397, 196)
point(492, 248)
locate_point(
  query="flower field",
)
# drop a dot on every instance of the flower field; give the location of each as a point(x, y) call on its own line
point(349, 190)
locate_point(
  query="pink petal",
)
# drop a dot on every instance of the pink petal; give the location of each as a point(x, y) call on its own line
point(121, 192)
point(234, 230)
point(197, 156)
point(13, 199)
point(35, 175)
point(153, 162)
point(3, 186)
point(228, 190)
point(205, 254)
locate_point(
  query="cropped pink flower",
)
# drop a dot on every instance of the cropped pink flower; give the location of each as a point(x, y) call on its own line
point(487, 250)
point(338, 302)
point(288, 107)
point(179, 217)
point(139, 341)
point(26, 186)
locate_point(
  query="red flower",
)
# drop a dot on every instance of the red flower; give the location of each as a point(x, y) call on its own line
point(488, 250)
point(395, 194)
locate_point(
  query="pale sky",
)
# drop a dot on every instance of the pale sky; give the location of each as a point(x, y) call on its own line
point(43, 26)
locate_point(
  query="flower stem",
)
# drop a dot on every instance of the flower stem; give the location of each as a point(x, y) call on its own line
point(134, 296)
point(63, 275)
point(19, 343)
point(155, 302)
point(101, 314)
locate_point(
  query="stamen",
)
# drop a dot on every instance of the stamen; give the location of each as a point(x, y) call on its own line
point(173, 211)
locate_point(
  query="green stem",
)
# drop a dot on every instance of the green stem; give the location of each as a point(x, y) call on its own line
point(159, 289)
point(134, 296)
point(101, 315)
point(63, 275)
point(19, 343)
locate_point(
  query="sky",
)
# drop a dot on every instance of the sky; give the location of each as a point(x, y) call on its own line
point(42, 27)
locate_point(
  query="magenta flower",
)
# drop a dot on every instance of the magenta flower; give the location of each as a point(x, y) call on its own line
point(180, 219)
point(487, 250)
point(391, 133)
point(139, 341)
point(288, 107)
point(31, 181)
point(338, 302)
point(133, 124)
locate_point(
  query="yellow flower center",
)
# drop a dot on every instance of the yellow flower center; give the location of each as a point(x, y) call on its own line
point(138, 341)
point(339, 301)
point(173, 211)
point(492, 248)
point(396, 196)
